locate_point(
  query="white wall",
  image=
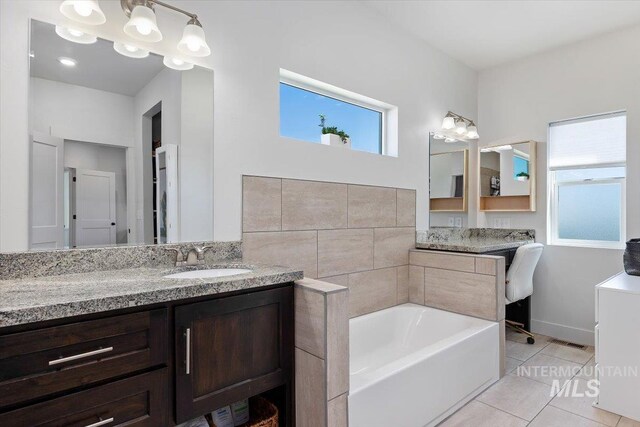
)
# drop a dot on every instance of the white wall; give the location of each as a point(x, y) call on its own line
point(80, 113)
point(84, 155)
point(345, 44)
point(517, 102)
point(443, 168)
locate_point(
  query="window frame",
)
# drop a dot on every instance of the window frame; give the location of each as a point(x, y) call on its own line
point(554, 204)
point(388, 144)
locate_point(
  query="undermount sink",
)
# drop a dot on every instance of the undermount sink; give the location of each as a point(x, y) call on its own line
point(208, 274)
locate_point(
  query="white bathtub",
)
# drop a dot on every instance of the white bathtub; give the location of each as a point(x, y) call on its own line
point(414, 366)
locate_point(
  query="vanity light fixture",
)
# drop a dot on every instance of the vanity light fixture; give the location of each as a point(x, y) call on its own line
point(67, 62)
point(193, 40)
point(142, 26)
point(142, 23)
point(438, 136)
point(177, 63)
point(457, 127)
point(84, 11)
point(129, 50)
point(75, 36)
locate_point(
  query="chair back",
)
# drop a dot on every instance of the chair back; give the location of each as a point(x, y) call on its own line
point(520, 274)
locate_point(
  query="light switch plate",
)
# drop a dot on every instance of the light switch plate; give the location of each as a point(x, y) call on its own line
point(451, 222)
point(459, 222)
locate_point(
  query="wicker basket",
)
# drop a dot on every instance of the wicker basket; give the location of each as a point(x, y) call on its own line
point(263, 414)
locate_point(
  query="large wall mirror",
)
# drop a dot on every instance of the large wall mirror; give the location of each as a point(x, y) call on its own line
point(448, 178)
point(121, 147)
point(507, 177)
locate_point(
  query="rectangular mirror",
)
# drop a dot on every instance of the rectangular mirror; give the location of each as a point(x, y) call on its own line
point(448, 180)
point(507, 177)
point(121, 146)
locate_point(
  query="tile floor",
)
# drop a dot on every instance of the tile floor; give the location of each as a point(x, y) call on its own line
point(525, 398)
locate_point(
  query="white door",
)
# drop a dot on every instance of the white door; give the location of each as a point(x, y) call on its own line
point(95, 208)
point(47, 209)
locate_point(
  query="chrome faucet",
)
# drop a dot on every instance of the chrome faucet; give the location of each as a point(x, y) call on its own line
point(194, 256)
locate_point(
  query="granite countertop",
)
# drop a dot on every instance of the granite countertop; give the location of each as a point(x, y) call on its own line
point(27, 300)
point(472, 245)
point(473, 240)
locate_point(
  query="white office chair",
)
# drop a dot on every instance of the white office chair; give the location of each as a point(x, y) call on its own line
point(519, 282)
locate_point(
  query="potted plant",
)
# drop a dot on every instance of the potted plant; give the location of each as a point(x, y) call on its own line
point(522, 176)
point(331, 135)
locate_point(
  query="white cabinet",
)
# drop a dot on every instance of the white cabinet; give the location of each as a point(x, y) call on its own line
point(618, 345)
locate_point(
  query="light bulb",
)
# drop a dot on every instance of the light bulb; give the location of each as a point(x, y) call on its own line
point(461, 127)
point(130, 51)
point(82, 8)
point(144, 28)
point(75, 36)
point(177, 63)
point(472, 132)
point(193, 41)
point(142, 24)
point(75, 32)
point(448, 123)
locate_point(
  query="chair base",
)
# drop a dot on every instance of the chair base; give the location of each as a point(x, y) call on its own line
point(519, 327)
point(520, 312)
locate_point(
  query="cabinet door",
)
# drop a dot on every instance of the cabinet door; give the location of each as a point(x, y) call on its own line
point(232, 348)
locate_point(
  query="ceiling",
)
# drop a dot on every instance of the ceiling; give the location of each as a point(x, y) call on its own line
point(99, 66)
point(486, 33)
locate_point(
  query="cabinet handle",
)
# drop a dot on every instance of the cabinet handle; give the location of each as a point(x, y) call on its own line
point(187, 361)
point(80, 356)
point(101, 422)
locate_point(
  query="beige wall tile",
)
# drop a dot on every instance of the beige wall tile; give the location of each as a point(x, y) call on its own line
point(344, 251)
point(337, 344)
point(372, 206)
point(486, 266)
point(310, 205)
point(500, 289)
point(406, 200)
point(261, 203)
point(391, 246)
point(403, 284)
point(416, 284)
point(298, 249)
point(467, 293)
point(311, 396)
point(443, 260)
point(342, 280)
point(339, 412)
point(310, 321)
point(372, 291)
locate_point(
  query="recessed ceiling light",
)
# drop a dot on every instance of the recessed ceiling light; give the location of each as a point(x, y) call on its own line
point(177, 63)
point(67, 62)
point(75, 36)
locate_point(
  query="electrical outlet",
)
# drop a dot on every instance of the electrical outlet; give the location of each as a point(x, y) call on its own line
point(451, 222)
point(459, 222)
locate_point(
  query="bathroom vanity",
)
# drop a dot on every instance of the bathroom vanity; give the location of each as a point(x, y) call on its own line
point(133, 347)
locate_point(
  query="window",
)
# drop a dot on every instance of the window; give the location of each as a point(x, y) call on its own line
point(520, 167)
point(587, 170)
point(303, 101)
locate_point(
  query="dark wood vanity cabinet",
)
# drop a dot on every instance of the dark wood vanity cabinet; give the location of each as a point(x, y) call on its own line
point(168, 362)
point(229, 349)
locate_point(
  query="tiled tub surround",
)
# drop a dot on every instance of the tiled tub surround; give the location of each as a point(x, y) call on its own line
point(351, 235)
point(16, 265)
point(473, 240)
point(322, 353)
point(468, 284)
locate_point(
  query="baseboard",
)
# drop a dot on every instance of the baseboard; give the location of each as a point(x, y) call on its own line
point(563, 332)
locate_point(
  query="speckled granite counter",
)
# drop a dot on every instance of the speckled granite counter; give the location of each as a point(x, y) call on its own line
point(473, 240)
point(28, 300)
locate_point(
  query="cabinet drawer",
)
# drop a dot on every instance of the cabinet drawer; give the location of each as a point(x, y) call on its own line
point(137, 401)
point(38, 363)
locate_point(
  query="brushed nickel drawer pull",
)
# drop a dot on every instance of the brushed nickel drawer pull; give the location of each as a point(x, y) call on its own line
point(101, 423)
point(187, 362)
point(80, 356)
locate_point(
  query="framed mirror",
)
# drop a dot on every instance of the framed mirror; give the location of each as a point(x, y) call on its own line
point(121, 144)
point(507, 177)
point(448, 175)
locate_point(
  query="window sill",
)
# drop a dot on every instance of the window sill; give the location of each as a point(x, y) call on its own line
point(589, 245)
